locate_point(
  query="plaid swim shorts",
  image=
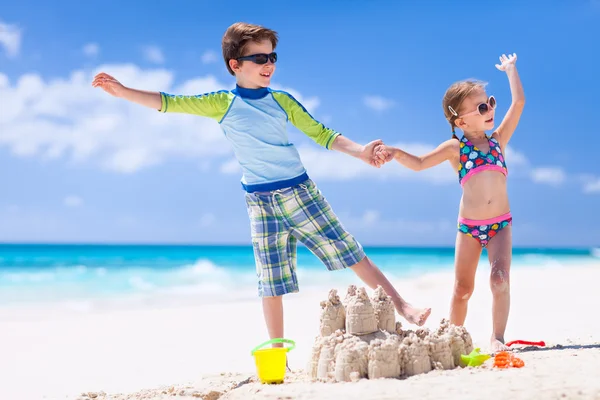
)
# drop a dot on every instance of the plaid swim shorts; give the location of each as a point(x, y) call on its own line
point(280, 218)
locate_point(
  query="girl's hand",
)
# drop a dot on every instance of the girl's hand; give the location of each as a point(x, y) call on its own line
point(507, 62)
point(384, 153)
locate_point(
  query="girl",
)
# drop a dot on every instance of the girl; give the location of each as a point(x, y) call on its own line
point(484, 218)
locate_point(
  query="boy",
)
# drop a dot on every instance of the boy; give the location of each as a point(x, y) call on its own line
point(283, 203)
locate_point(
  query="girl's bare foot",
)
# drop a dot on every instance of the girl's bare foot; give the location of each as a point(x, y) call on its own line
point(497, 345)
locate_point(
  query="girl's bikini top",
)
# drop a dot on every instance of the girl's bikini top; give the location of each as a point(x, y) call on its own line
point(473, 160)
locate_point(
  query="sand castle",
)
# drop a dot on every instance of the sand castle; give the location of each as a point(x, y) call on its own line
point(359, 338)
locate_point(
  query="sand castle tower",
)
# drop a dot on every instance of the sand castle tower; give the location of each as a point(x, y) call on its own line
point(384, 358)
point(359, 338)
point(360, 314)
point(333, 314)
point(385, 313)
point(414, 355)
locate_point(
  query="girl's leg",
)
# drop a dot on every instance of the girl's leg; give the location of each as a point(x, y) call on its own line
point(468, 252)
point(500, 256)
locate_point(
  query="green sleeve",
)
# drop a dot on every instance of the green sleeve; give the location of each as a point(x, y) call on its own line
point(214, 105)
point(302, 120)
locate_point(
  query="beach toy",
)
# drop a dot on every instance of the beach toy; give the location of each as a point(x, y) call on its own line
point(505, 359)
point(527, 343)
point(474, 358)
point(271, 363)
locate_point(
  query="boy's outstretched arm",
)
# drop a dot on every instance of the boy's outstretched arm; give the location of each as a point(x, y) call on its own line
point(117, 89)
point(445, 151)
point(213, 105)
point(511, 119)
point(326, 137)
point(365, 153)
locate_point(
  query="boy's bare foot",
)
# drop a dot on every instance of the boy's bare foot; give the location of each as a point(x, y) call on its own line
point(497, 345)
point(417, 316)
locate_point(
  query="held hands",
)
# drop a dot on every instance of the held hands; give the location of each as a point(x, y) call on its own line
point(375, 153)
point(507, 62)
point(109, 84)
point(384, 153)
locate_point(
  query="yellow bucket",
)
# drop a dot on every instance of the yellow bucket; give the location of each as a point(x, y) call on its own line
point(271, 363)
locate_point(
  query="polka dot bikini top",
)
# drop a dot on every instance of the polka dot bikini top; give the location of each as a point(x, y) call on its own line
point(473, 160)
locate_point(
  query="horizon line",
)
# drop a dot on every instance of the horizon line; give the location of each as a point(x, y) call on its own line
point(239, 244)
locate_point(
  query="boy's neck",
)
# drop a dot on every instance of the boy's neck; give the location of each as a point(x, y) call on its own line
point(245, 85)
point(251, 93)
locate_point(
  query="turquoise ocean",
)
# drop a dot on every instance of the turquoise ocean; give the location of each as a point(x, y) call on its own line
point(32, 273)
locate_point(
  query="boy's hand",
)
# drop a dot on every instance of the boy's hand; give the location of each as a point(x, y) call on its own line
point(384, 153)
point(109, 84)
point(368, 153)
point(507, 62)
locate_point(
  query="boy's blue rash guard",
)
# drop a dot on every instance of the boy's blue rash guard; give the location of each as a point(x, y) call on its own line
point(254, 121)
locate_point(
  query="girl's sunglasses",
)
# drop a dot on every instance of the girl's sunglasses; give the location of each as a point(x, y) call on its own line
point(260, 58)
point(483, 108)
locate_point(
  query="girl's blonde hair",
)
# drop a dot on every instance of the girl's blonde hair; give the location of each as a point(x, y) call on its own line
point(454, 97)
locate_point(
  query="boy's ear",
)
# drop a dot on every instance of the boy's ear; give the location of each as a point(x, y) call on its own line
point(234, 65)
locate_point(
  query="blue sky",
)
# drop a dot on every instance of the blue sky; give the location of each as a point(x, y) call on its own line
point(79, 165)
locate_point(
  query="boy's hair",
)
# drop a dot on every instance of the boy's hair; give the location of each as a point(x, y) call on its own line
point(238, 35)
point(454, 97)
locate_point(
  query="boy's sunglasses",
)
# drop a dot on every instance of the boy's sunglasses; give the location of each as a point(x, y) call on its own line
point(260, 58)
point(483, 108)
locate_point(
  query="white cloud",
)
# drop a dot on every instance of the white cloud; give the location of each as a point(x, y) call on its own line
point(69, 119)
point(73, 201)
point(231, 167)
point(333, 165)
point(515, 158)
point(209, 57)
point(591, 184)
point(553, 176)
point(328, 165)
point(378, 103)
point(91, 49)
point(370, 217)
point(10, 39)
point(370, 220)
point(3, 81)
point(154, 54)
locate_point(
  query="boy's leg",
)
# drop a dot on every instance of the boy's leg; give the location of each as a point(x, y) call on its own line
point(275, 258)
point(317, 226)
point(368, 272)
point(273, 305)
point(273, 313)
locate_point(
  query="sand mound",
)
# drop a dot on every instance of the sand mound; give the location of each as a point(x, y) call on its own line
point(360, 339)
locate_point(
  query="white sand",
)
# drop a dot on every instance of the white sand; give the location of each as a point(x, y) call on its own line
point(53, 353)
